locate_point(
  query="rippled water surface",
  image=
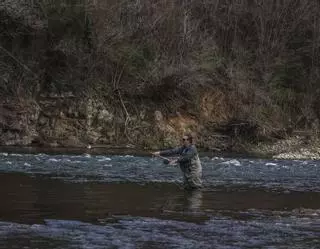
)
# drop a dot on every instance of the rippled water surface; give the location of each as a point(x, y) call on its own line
point(83, 201)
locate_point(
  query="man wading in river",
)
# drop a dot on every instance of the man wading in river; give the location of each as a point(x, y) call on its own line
point(188, 161)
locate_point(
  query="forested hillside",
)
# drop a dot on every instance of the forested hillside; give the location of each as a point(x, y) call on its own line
point(74, 72)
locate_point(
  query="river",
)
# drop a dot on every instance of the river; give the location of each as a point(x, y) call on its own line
point(124, 201)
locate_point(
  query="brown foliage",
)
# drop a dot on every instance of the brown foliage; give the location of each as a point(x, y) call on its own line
point(260, 58)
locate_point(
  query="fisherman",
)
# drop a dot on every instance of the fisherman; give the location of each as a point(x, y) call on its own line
point(188, 161)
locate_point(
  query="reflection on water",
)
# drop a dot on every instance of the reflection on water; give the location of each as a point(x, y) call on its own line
point(194, 200)
point(33, 199)
point(127, 202)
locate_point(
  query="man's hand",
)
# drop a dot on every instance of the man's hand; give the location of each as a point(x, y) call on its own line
point(173, 162)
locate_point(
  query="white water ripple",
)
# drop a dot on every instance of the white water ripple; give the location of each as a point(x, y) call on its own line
point(136, 232)
point(283, 174)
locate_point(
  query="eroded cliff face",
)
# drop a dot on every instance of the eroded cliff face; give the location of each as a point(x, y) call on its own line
point(67, 121)
point(71, 122)
point(18, 122)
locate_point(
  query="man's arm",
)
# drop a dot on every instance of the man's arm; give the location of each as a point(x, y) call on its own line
point(171, 152)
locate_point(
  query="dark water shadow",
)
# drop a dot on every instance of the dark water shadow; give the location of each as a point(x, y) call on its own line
point(32, 199)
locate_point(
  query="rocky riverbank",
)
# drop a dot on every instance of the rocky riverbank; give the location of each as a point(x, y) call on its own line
point(295, 147)
point(64, 123)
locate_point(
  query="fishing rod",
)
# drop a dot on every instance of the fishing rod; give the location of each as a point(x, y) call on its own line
point(166, 160)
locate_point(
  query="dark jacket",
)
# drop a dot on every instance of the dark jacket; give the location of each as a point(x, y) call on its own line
point(190, 165)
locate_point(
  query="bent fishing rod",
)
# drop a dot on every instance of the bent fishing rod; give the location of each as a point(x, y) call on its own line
point(166, 160)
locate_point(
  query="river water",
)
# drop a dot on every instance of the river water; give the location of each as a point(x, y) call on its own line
point(94, 201)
